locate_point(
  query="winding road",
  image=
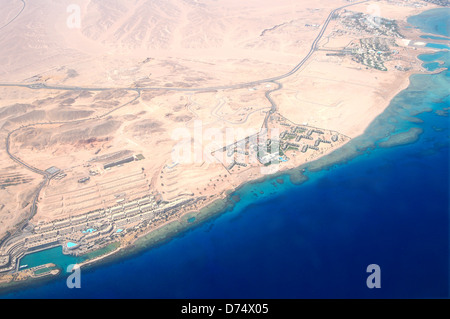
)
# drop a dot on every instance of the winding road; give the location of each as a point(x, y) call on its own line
point(13, 19)
point(47, 176)
point(43, 86)
point(213, 88)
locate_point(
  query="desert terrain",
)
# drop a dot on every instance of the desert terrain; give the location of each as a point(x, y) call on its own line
point(143, 79)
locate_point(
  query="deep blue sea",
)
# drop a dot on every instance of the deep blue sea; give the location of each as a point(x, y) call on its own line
point(386, 205)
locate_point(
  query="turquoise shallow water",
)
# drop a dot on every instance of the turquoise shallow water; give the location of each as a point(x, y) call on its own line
point(436, 56)
point(433, 37)
point(433, 21)
point(437, 46)
point(53, 255)
point(432, 66)
point(371, 204)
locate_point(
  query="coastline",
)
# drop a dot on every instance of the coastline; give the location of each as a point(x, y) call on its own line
point(170, 229)
point(344, 153)
point(177, 227)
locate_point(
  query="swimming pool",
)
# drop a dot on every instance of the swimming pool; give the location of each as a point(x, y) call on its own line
point(70, 245)
point(90, 230)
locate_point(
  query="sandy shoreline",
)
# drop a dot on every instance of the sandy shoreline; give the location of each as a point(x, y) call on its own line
point(172, 228)
point(210, 210)
point(135, 242)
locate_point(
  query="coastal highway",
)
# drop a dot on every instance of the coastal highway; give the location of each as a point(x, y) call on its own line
point(297, 67)
point(43, 86)
point(38, 86)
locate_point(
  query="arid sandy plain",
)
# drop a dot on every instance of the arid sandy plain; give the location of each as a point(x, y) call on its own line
point(137, 77)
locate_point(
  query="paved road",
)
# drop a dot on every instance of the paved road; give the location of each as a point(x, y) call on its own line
point(12, 20)
point(47, 176)
point(41, 86)
point(213, 88)
point(38, 86)
point(18, 160)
